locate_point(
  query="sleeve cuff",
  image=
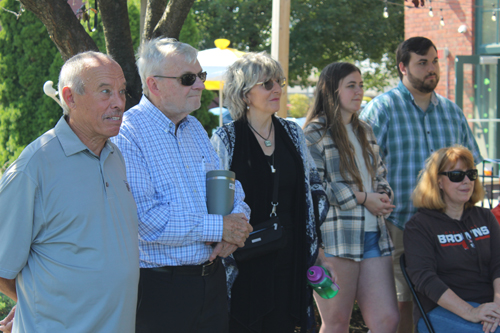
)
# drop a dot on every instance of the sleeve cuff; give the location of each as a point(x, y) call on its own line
point(213, 226)
point(8, 274)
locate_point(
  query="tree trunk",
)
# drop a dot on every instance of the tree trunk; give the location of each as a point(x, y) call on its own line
point(114, 14)
point(173, 18)
point(62, 25)
point(144, 6)
point(71, 38)
point(154, 11)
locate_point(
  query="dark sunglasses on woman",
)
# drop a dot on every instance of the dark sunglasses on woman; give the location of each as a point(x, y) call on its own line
point(186, 79)
point(269, 84)
point(458, 176)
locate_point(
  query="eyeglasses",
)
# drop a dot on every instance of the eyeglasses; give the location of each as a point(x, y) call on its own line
point(269, 84)
point(186, 79)
point(458, 176)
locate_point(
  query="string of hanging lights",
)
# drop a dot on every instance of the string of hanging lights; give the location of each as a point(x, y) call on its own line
point(421, 3)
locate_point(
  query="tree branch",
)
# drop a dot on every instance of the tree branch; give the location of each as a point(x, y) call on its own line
point(154, 12)
point(21, 10)
point(62, 25)
point(173, 18)
point(114, 15)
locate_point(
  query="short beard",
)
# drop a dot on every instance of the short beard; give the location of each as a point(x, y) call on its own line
point(421, 86)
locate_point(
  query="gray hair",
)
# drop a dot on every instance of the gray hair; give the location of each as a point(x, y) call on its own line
point(71, 74)
point(243, 75)
point(153, 55)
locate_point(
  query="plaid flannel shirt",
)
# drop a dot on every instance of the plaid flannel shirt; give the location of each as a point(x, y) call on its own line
point(343, 231)
point(407, 136)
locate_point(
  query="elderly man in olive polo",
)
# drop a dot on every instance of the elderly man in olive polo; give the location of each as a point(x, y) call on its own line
point(69, 252)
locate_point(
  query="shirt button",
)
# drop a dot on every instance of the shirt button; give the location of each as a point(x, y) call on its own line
point(428, 132)
point(170, 125)
point(187, 166)
point(107, 185)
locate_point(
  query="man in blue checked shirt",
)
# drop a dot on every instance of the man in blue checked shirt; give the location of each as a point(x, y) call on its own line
point(182, 284)
point(411, 122)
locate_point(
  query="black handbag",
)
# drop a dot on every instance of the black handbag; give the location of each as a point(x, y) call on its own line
point(267, 236)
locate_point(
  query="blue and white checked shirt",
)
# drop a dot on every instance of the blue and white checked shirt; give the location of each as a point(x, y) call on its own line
point(167, 175)
point(407, 136)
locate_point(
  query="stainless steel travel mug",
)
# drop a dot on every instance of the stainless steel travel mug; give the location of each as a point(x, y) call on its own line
point(220, 191)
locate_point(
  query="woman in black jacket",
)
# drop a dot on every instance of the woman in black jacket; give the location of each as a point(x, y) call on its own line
point(271, 294)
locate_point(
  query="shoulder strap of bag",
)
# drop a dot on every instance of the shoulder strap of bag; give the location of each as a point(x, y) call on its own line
point(274, 203)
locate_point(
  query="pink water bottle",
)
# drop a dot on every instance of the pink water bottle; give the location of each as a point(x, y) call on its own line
point(321, 281)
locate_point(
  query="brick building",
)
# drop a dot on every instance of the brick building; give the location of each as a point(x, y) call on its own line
point(467, 38)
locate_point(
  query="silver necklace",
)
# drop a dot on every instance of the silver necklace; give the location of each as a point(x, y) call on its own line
point(267, 142)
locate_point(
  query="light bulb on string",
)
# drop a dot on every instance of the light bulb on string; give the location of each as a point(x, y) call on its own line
point(431, 13)
point(442, 19)
point(386, 13)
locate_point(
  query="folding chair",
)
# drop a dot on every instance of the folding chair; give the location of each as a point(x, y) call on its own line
point(491, 188)
point(402, 262)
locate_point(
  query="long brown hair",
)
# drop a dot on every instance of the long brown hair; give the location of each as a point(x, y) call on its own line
point(327, 104)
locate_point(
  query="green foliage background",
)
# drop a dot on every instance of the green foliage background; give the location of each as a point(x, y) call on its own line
point(299, 105)
point(5, 305)
point(28, 58)
point(321, 32)
point(190, 34)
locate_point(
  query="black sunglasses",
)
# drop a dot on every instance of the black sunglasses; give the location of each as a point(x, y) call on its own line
point(269, 84)
point(458, 176)
point(187, 79)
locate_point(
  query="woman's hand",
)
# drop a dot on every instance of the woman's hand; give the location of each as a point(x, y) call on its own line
point(488, 314)
point(490, 327)
point(378, 204)
point(485, 313)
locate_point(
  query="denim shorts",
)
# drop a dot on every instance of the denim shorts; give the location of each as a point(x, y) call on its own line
point(371, 248)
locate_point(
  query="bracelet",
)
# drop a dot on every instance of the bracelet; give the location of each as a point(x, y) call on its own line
point(366, 196)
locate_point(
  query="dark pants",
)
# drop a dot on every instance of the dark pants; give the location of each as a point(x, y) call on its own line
point(170, 302)
point(277, 321)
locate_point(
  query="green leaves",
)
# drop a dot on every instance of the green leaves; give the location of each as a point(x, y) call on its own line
point(28, 58)
point(336, 30)
point(247, 24)
point(321, 31)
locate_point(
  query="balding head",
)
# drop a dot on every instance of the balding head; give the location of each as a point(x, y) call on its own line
point(71, 72)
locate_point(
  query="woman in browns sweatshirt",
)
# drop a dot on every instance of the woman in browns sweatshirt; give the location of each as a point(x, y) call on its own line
point(453, 247)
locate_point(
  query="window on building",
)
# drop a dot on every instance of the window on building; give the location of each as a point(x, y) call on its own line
point(488, 29)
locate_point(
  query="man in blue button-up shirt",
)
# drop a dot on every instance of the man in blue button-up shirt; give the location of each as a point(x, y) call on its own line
point(167, 154)
point(411, 122)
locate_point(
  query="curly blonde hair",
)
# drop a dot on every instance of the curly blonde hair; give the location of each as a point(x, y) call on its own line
point(243, 75)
